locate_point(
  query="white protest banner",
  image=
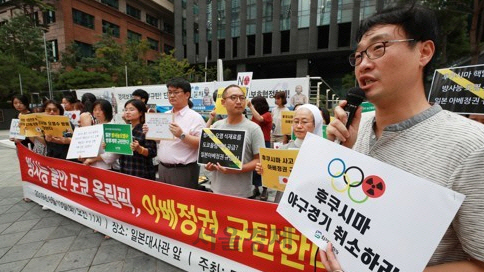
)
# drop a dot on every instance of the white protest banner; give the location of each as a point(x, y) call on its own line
point(159, 126)
point(74, 117)
point(85, 142)
point(15, 130)
point(373, 213)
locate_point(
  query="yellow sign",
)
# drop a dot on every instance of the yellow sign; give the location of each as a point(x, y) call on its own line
point(286, 126)
point(54, 125)
point(277, 166)
point(29, 125)
point(219, 109)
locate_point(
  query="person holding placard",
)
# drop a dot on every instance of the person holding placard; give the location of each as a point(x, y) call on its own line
point(57, 147)
point(281, 101)
point(86, 118)
point(103, 112)
point(261, 116)
point(395, 48)
point(306, 119)
point(178, 157)
point(140, 163)
point(21, 104)
point(230, 181)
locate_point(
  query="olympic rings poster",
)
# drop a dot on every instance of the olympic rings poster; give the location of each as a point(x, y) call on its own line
point(374, 214)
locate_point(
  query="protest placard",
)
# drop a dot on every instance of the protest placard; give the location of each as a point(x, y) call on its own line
point(459, 89)
point(73, 116)
point(366, 208)
point(15, 130)
point(222, 146)
point(286, 122)
point(219, 108)
point(29, 125)
point(54, 125)
point(118, 138)
point(276, 167)
point(159, 126)
point(85, 142)
point(244, 79)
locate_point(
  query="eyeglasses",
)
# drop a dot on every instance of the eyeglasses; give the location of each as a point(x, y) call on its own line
point(374, 51)
point(174, 93)
point(300, 122)
point(235, 97)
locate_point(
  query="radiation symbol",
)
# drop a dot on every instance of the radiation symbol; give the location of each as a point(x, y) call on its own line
point(373, 186)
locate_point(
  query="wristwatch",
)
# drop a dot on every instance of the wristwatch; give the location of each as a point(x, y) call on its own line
point(182, 136)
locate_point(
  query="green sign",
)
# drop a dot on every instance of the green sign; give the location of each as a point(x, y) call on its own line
point(118, 138)
point(367, 106)
point(325, 136)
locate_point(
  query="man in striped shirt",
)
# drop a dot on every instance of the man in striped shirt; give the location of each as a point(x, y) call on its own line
point(393, 54)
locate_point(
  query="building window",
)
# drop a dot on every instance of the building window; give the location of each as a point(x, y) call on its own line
point(85, 50)
point(285, 40)
point(267, 43)
point(53, 50)
point(134, 12)
point(168, 28)
point(153, 44)
point(303, 14)
point(111, 3)
point(251, 45)
point(49, 17)
point(110, 29)
point(167, 48)
point(82, 18)
point(133, 36)
point(151, 20)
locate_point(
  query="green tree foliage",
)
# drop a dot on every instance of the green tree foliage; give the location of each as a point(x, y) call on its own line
point(10, 68)
point(79, 79)
point(170, 68)
point(22, 39)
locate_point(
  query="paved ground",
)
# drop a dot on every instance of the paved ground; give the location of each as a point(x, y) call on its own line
point(32, 239)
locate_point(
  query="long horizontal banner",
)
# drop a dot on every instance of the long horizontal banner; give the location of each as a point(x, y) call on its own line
point(202, 92)
point(190, 229)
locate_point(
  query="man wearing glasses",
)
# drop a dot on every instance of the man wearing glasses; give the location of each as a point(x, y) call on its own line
point(394, 50)
point(237, 182)
point(178, 158)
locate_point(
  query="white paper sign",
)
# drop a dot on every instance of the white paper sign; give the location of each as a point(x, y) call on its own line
point(15, 130)
point(85, 142)
point(360, 204)
point(159, 126)
point(74, 117)
point(244, 79)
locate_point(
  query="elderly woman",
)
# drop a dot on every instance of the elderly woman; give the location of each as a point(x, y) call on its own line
point(306, 119)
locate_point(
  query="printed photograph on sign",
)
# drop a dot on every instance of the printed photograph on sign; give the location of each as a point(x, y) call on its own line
point(159, 126)
point(277, 165)
point(459, 89)
point(118, 138)
point(222, 146)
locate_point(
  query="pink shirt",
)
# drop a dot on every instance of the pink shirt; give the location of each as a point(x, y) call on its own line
point(176, 151)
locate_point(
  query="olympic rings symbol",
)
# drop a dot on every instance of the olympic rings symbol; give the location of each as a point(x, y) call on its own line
point(372, 186)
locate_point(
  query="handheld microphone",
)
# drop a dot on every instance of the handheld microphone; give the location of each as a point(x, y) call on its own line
point(354, 97)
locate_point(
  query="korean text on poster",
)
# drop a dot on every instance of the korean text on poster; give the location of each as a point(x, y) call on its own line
point(367, 209)
point(15, 130)
point(29, 125)
point(277, 165)
point(54, 125)
point(459, 89)
point(159, 126)
point(85, 142)
point(286, 122)
point(222, 146)
point(118, 138)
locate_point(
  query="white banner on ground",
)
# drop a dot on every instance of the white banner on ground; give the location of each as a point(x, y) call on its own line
point(373, 213)
point(156, 245)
